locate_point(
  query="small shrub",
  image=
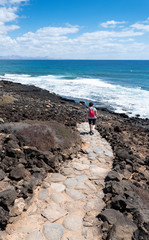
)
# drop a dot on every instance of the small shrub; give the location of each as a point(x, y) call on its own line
point(7, 99)
point(39, 136)
point(42, 135)
point(66, 137)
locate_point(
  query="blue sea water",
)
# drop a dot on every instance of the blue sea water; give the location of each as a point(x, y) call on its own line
point(122, 86)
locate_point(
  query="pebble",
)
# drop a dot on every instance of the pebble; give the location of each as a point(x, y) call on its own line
point(74, 194)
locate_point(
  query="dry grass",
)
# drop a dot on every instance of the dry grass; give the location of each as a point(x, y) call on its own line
point(39, 136)
point(42, 135)
point(7, 99)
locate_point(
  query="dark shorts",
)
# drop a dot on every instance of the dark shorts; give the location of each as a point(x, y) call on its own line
point(92, 121)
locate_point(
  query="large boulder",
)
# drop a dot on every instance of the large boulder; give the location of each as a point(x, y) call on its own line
point(120, 226)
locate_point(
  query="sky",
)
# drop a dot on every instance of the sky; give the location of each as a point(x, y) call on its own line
point(74, 29)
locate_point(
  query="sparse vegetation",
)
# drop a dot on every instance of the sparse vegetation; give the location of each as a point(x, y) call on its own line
point(7, 99)
point(39, 136)
point(42, 135)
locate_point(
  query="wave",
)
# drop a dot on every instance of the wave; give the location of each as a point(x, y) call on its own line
point(132, 101)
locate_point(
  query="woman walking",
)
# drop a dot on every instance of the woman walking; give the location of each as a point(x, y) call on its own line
point(91, 116)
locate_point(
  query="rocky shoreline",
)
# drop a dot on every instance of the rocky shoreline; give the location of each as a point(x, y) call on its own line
point(24, 167)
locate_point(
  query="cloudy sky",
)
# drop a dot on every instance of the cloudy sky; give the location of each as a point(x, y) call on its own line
point(74, 29)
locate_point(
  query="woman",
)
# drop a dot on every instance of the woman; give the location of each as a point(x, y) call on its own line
point(91, 116)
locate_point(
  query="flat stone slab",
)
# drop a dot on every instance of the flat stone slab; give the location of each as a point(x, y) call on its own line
point(57, 177)
point(58, 197)
point(89, 150)
point(101, 159)
point(73, 206)
point(70, 182)
point(81, 178)
point(67, 171)
point(108, 153)
point(36, 235)
point(80, 186)
point(98, 151)
point(74, 194)
point(27, 224)
point(80, 166)
point(43, 194)
point(95, 204)
point(91, 186)
point(73, 223)
point(53, 231)
point(98, 171)
point(85, 161)
point(53, 212)
point(58, 187)
point(92, 156)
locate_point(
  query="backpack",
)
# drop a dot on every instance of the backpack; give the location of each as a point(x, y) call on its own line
point(92, 112)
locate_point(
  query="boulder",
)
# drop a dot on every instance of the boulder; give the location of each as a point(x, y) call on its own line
point(19, 172)
point(4, 217)
point(113, 175)
point(122, 226)
point(7, 197)
point(2, 174)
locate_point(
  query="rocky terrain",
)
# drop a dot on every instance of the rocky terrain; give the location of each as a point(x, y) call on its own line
point(30, 116)
point(67, 203)
point(36, 136)
point(127, 186)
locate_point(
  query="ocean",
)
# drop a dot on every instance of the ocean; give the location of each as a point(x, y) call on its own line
point(119, 85)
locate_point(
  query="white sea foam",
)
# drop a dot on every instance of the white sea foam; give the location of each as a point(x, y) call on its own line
point(131, 101)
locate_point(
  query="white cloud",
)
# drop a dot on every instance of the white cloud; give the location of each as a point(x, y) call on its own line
point(111, 24)
point(48, 35)
point(18, 1)
point(52, 42)
point(11, 2)
point(7, 14)
point(146, 21)
point(68, 42)
point(4, 29)
point(140, 26)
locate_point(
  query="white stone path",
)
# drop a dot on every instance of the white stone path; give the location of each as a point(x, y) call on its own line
point(66, 205)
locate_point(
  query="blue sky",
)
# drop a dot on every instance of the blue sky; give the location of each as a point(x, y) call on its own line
point(74, 29)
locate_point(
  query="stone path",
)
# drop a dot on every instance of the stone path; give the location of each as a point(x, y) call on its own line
point(66, 205)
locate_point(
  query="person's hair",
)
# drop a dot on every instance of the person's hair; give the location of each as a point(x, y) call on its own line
point(90, 104)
